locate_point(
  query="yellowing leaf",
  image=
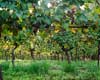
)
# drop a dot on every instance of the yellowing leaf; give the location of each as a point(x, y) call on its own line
point(24, 28)
point(57, 30)
point(11, 33)
point(73, 30)
point(66, 46)
point(86, 30)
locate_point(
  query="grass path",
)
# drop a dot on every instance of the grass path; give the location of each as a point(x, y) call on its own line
point(50, 70)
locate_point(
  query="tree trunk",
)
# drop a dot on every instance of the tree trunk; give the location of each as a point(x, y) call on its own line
point(58, 56)
point(39, 56)
point(32, 53)
point(2, 55)
point(62, 58)
point(21, 55)
point(1, 77)
point(71, 54)
point(51, 56)
point(68, 57)
point(66, 53)
point(13, 54)
point(77, 58)
point(98, 53)
point(13, 57)
point(55, 56)
point(6, 56)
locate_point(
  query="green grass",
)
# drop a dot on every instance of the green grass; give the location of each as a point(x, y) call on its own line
point(50, 70)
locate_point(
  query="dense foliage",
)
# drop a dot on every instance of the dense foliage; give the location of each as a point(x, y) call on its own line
point(50, 26)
